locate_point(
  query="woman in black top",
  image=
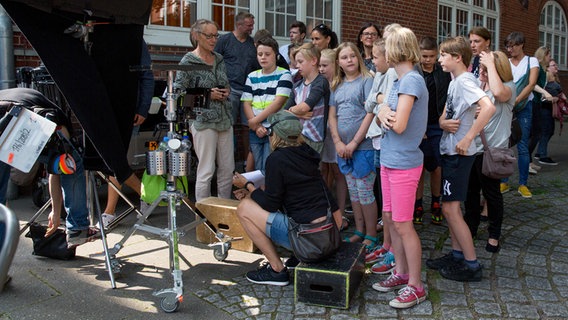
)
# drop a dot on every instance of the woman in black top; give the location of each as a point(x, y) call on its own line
point(294, 185)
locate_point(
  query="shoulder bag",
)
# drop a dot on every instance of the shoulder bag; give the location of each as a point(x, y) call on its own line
point(520, 85)
point(313, 242)
point(498, 163)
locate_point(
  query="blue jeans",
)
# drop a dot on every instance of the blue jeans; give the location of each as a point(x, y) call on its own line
point(75, 196)
point(277, 229)
point(260, 148)
point(547, 130)
point(525, 121)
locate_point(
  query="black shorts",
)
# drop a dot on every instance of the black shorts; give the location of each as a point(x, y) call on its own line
point(455, 176)
point(431, 149)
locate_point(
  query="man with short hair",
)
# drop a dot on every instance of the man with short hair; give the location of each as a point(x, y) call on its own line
point(239, 52)
point(297, 33)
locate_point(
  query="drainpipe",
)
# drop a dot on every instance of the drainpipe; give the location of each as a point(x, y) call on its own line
point(7, 69)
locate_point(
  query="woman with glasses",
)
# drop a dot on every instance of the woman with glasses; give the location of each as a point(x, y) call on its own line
point(323, 37)
point(368, 34)
point(294, 188)
point(212, 131)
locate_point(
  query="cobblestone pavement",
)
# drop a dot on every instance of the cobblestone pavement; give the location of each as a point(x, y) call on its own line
point(527, 279)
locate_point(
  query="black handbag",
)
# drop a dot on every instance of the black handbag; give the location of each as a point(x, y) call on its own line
point(312, 242)
point(54, 246)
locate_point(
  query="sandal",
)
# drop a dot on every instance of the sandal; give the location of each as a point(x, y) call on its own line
point(355, 233)
point(373, 245)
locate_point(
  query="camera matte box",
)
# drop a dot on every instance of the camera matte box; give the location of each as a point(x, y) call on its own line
point(334, 281)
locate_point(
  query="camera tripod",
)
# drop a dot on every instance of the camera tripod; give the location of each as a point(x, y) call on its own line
point(170, 297)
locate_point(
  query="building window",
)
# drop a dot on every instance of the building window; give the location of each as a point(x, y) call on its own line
point(553, 32)
point(173, 13)
point(279, 15)
point(224, 12)
point(170, 20)
point(319, 11)
point(456, 18)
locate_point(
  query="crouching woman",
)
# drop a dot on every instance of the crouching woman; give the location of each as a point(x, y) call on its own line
point(294, 188)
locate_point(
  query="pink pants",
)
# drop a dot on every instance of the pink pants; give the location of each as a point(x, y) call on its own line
point(399, 191)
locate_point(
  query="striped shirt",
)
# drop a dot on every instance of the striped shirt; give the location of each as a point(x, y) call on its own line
point(261, 89)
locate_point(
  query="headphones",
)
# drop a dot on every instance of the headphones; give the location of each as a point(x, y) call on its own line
point(61, 164)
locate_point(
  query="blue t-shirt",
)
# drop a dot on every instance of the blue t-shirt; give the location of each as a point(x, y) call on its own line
point(348, 99)
point(401, 151)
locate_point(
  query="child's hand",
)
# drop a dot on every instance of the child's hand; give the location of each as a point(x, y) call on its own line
point(450, 125)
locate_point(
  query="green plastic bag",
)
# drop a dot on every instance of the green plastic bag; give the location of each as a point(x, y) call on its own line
point(152, 186)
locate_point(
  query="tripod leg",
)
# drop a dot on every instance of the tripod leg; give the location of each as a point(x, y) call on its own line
point(93, 200)
point(35, 216)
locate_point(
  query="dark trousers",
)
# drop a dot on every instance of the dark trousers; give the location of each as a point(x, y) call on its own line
point(493, 197)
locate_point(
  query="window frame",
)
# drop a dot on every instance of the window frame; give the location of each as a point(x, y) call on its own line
point(470, 9)
point(546, 34)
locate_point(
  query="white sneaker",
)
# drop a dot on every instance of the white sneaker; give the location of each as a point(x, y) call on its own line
point(107, 219)
point(532, 171)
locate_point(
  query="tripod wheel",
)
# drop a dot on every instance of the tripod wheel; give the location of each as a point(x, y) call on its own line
point(169, 304)
point(220, 252)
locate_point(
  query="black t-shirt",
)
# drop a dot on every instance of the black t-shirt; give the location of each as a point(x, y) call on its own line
point(34, 100)
point(432, 107)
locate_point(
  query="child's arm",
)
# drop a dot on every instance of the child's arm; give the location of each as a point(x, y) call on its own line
point(405, 103)
point(332, 121)
point(359, 136)
point(487, 109)
point(449, 125)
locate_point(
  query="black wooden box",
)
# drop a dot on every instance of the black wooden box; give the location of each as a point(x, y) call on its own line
point(333, 282)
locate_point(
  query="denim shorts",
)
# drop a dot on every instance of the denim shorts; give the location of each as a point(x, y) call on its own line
point(277, 229)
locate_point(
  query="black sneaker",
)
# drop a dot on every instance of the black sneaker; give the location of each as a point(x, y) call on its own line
point(292, 262)
point(443, 261)
point(461, 272)
point(265, 275)
point(77, 238)
point(547, 161)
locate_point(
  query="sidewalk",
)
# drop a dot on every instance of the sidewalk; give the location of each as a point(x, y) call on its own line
point(527, 279)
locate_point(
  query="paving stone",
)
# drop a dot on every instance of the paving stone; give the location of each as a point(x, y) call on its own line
point(456, 300)
point(551, 309)
point(487, 308)
point(449, 285)
point(456, 313)
point(374, 310)
point(543, 295)
point(521, 311)
point(537, 283)
point(283, 316)
point(509, 283)
point(305, 309)
point(423, 309)
point(511, 295)
point(534, 259)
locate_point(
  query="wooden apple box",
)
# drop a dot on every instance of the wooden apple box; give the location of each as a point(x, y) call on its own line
point(222, 214)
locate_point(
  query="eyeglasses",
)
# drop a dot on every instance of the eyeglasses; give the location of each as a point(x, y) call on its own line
point(210, 36)
point(510, 46)
point(369, 34)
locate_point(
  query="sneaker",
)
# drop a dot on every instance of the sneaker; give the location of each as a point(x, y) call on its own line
point(292, 262)
point(107, 219)
point(376, 255)
point(537, 156)
point(547, 161)
point(385, 266)
point(445, 260)
point(437, 216)
point(505, 187)
point(380, 225)
point(535, 166)
point(461, 272)
point(407, 297)
point(393, 282)
point(77, 238)
point(525, 192)
point(265, 275)
point(532, 170)
point(418, 213)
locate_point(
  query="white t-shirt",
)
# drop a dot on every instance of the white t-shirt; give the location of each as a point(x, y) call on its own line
point(520, 69)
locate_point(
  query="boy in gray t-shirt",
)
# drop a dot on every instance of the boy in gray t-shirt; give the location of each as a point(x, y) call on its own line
point(458, 153)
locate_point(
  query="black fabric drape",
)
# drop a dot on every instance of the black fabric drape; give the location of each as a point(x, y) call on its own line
point(100, 88)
